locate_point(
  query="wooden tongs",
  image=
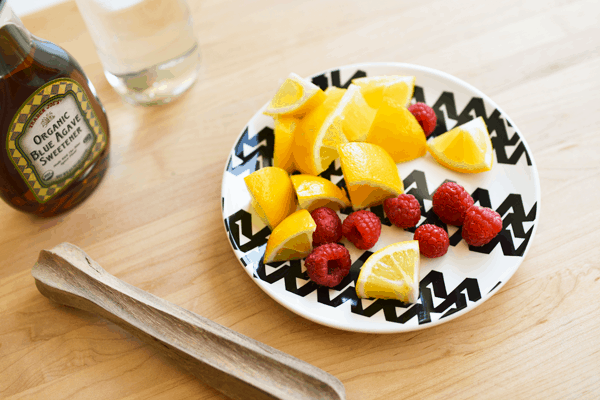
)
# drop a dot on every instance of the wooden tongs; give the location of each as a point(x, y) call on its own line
point(236, 365)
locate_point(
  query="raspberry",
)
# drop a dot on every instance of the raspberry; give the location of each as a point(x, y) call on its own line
point(481, 225)
point(433, 240)
point(425, 116)
point(451, 202)
point(362, 228)
point(328, 264)
point(404, 211)
point(329, 226)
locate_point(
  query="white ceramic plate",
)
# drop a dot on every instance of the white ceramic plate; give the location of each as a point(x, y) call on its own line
point(450, 285)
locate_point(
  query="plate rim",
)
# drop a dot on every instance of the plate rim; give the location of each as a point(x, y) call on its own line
point(364, 328)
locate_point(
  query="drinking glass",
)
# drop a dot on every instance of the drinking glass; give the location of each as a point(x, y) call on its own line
point(147, 47)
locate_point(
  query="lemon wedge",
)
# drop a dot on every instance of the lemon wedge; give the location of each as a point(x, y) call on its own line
point(314, 192)
point(334, 94)
point(395, 87)
point(295, 97)
point(465, 148)
point(396, 130)
point(291, 239)
point(283, 155)
point(318, 135)
point(370, 173)
point(273, 195)
point(356, 114)
point(391, 273)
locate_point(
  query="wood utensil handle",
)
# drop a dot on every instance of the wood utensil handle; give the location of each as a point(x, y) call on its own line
point(238, 366)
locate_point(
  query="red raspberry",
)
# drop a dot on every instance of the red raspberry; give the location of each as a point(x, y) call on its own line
point(329, 226)
point(451, 202)
point(362, 228)
point(328, 264)
point(426, 117)
point(433, 240)
point(404, 211)
point(481, 225)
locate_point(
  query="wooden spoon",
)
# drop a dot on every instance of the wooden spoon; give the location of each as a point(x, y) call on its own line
point(236, 365)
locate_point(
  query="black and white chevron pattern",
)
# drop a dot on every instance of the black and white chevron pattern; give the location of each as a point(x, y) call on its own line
point(251, 154)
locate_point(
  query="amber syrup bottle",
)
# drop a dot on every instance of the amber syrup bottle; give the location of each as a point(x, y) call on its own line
point(54, 134)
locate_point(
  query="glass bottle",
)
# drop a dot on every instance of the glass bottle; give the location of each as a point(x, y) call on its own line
point(54, 134)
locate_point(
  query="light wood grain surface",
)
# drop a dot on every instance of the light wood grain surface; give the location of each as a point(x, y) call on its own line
point(155, 221)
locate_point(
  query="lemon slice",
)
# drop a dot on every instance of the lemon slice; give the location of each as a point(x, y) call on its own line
point(396, 130)
point(466, 148)
point(334, 94)
point(314, 192)
point(318, 135)
point(391, 273)
point(283, 155)
point(273, 195)
point(370, 173)
point(395, 87)
point(295, 97)
point(356, 114)
point(292, 238)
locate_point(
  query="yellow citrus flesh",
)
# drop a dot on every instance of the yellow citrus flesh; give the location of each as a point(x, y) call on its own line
point(356, 115)
point(396, 130)
point(334, 94)
point(295, 97)
point(318, 135)
point(370, 173)
point(466, 148)
point(391, 273)
point(395, 87)
point(283, 155)
point(314, 192)
point(273, 195)
point(291, 239)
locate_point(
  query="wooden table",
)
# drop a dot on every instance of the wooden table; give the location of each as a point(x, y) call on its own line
point(155, 221)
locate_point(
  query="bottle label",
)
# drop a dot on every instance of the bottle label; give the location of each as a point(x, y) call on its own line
point(54, 137)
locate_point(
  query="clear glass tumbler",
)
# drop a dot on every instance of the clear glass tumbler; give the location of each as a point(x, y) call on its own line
point(147, 47)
